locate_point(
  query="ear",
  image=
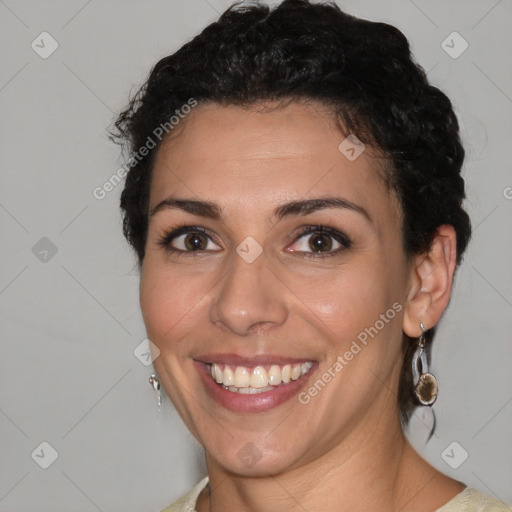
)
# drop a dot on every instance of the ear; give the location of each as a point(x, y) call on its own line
point(431, 282)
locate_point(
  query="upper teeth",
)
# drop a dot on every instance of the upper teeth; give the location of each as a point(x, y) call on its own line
point(259, 377)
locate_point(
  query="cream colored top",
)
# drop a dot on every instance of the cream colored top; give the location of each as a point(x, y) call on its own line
point(469, 500)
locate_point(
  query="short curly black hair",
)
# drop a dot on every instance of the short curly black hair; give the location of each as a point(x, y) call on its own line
point(362, 71)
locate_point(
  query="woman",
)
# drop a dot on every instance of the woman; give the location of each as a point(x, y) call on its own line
point(294, 200)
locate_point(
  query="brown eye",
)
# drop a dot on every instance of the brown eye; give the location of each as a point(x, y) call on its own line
point(320, 243)
point(188, 239)
point(195, 242)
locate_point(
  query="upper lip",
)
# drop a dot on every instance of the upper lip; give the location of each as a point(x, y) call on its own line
point(249, 361)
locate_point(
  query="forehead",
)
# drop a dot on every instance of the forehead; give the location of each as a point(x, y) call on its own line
point(253, 157)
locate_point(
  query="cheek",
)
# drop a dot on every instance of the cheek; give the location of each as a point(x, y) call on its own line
point(168, 303)
point(348, 300)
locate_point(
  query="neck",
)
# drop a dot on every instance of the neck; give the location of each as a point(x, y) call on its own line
point(374, 468)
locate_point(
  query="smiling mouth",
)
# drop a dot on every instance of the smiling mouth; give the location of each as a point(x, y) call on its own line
point(260, 379)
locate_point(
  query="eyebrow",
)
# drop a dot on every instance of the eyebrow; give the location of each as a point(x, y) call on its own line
point(307, 206)
point(301, 207)
point(193, 206)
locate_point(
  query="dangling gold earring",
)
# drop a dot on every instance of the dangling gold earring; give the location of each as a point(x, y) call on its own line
point(425, 384)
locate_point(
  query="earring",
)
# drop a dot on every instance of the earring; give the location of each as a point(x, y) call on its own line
point(155, 383)
point(425, 384)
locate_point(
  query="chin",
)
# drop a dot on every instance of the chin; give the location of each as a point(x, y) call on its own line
point(253, 458)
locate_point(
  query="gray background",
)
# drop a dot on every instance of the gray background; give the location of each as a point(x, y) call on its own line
point(70, 320)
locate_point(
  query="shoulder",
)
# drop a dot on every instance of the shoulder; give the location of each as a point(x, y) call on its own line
point(187, 502)
point(470, 500)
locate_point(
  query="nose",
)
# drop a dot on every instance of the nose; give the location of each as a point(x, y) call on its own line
point(250, 298)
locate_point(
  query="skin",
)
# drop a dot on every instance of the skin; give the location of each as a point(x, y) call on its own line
point(347, 441)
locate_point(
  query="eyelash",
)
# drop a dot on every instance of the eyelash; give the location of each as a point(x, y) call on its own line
point(341, 238)
point(320, 229)
point(169, 236)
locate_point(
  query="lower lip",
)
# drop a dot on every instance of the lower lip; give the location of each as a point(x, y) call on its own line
point(251, 403)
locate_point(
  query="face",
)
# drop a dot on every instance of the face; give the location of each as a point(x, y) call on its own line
point(273, 284)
